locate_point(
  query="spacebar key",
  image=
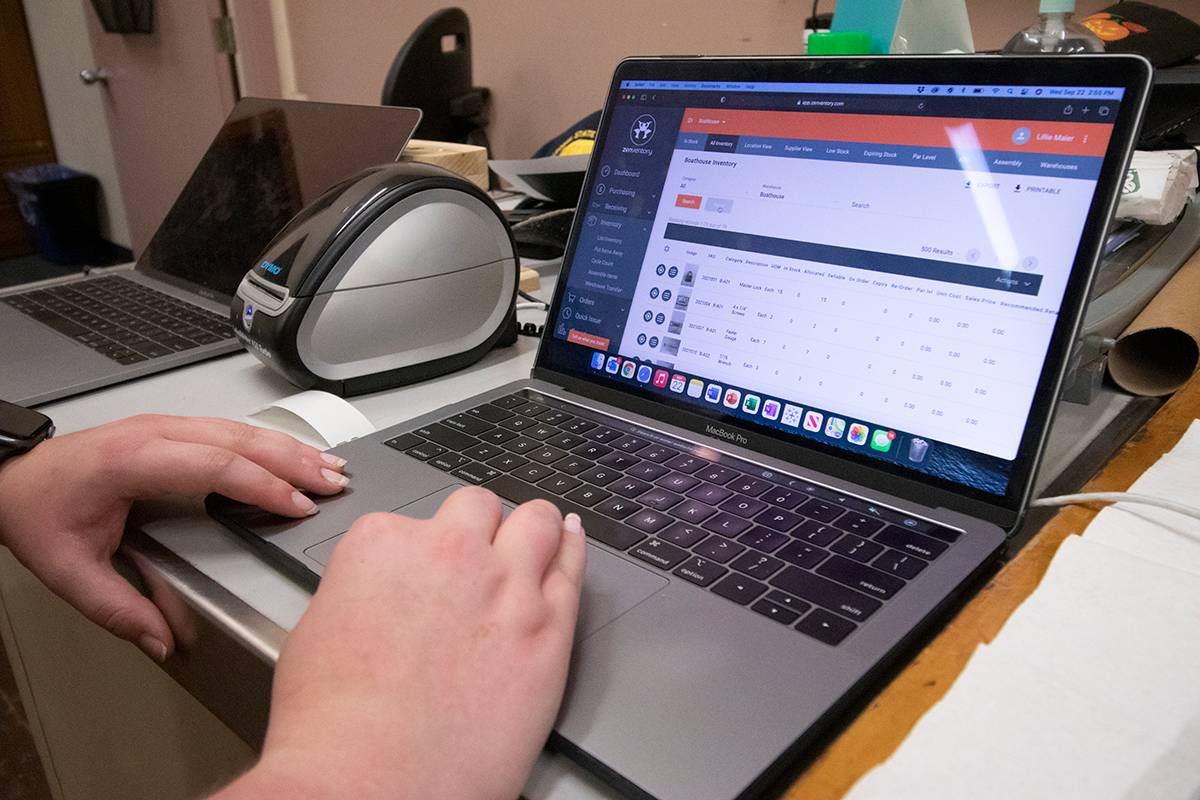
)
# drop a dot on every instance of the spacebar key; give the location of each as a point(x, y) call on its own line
point(600, 528)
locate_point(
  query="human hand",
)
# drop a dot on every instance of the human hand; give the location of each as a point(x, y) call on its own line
point(63, 505)
point(432, 659)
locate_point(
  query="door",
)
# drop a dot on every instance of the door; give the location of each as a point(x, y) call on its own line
point(24, 127)
point(165, 96)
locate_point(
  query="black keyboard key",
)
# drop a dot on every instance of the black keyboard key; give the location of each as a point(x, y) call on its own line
point(911, 543)
point(896, 563)
point(751, 487)
point(578, 425)
point(546, 455)
point(489, 412)
point(861, 524)
point(510, 402)
point(677, 482)
point(619, 460)
point(778, 613)
point(541, 432)
point(592, 451)
point(628, 487)
point(719, 549)
point(573, 465)
point(449, 461)
point(483, 452)
point(555, 417)
point(600, 476)
point(784, 600)
point(660, 499)
point(528, 409)
point(717, 474)
point(856, 547)
point(522, 444)
point(602, 434)
point(587, 495)
point(686, 463)
point(468, 424)
point(649, 521)
point(815, 533)
point(559, 483)
point(508, 462)
point(533, 472)
point(647, 471)
point(756, 565)
point(803, 554)
point(823, 592)
point(426, 450)
point(727, 524)
point(659, 553)
point(708, 493)
point(57, 322)
point(567, 441)
point(693, 511)
point(683, 534)
point(404, 441)
point(617, 507)
point(820, 510)
point(448, 437)
point(658, 453)
point(597, 527)
point(700, 571)
point(861, 577)
point(825, 627)
point(745, 507)
point(764, 539)
point(738, 588)
point(630, 443)
point(518, 423)
point(476, 473)
point(498, 436)
point(783, 498)
point(778, 519)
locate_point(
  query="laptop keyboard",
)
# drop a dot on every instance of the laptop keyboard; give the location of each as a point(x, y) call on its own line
point(122, 319)
point(804, 555)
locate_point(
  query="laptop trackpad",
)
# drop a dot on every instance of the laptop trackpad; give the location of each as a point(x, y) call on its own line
point(611, 587)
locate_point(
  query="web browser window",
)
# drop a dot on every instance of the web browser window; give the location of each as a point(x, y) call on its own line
point(865, 265)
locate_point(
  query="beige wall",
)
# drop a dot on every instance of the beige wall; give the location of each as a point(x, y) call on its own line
point(548, 62)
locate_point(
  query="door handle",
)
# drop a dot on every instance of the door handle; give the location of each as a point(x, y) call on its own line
point(92, 76)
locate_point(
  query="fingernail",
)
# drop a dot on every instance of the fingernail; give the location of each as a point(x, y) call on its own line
point(303, 503)
point(330, 458)
point(336, 478)
point(572, 523)
point(153, 648)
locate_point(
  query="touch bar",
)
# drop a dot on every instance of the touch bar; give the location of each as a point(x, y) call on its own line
point(946, 272)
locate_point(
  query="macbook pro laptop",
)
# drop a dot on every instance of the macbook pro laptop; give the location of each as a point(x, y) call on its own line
point(269, 160)
point(801, 360)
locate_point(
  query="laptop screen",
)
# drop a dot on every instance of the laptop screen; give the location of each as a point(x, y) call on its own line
point(859, 261)
point(270, 159)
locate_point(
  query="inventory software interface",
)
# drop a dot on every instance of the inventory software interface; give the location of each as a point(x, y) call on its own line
point(856, 263)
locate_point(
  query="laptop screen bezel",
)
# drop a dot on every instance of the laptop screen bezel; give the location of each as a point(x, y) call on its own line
point(1132, 75)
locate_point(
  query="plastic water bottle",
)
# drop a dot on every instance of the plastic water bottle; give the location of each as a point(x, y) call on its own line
point(1055, 32)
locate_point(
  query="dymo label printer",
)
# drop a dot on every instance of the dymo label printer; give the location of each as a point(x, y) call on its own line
point(400, 273)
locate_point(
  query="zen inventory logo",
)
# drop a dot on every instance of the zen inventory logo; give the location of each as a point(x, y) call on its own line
point(642, 130)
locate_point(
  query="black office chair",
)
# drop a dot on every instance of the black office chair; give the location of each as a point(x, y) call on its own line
point(432, 72)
